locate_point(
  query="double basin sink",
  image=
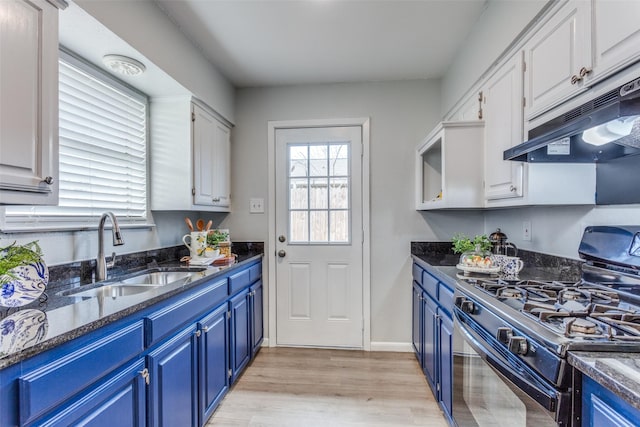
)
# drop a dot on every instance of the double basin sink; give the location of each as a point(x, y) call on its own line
point(136, 283)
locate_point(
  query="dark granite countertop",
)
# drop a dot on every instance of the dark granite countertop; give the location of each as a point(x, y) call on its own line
point(537, 266)
point(61, 319)
point(619, 372)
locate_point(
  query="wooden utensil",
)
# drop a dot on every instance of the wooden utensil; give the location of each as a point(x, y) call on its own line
point(208, 227)
point(189, 224)
point(200, 224)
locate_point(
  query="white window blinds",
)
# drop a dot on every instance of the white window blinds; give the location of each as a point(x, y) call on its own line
point(103, 144)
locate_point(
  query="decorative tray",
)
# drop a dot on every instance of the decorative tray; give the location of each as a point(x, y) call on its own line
point(473, 269)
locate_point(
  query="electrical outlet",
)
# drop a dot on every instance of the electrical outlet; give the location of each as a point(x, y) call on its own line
point(526, 231)
point(256, 205)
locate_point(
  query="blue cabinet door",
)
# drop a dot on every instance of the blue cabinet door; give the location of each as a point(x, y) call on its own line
point(119, 400)
point(240, 333)
point(430, 345)
point(214, 361)
point(446, 361)
point(173, 393)
point(416, 328)
point(257, 329)
point(602, 408)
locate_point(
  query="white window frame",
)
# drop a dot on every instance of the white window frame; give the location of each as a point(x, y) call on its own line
point(41, 222)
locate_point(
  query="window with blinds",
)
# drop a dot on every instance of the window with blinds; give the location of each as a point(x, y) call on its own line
point(103, 147)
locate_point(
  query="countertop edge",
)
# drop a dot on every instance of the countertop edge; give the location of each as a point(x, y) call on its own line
point(610, 370)
point(14, 358)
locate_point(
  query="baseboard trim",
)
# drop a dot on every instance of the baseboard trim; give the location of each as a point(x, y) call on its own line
point(403, 347)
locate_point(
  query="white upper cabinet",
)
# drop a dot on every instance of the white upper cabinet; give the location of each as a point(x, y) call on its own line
point(449, 167)
point(29, 102)
point(558, 58)
point(502, 106)
point(211, 145)
point(190, 157)
point(616, 36)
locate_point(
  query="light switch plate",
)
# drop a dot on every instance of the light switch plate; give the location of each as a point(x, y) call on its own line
point(256, 205)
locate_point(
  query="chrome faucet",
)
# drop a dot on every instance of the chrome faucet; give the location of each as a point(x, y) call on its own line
point(101, 263)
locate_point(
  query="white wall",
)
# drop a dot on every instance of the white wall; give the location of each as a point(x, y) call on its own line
point(401, 113)
point(496, 28)
point(146, 28)
point(557, 230)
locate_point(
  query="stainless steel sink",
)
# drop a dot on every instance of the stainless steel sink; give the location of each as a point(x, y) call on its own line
point(135, 284)
point(111, 291)
point(157, 278)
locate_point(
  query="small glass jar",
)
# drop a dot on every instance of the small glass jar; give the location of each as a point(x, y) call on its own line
point(477, 259)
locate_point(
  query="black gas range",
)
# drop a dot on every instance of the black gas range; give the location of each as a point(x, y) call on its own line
point(524, 329)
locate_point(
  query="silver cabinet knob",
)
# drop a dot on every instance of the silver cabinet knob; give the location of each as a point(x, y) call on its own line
point(281, 238)
point(512, 188)
point(282, 253)
point(48, 180)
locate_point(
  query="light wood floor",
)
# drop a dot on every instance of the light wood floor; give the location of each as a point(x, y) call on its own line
point(309, 387)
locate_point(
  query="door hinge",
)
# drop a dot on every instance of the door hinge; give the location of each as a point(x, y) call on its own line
point(193, 116)
point(228, 315)
point(438, 387)
point(193, 191)
point(524, 65)
point(524, 102)
point(229, 373)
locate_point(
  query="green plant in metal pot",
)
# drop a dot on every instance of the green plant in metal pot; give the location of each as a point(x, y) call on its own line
point(462, 243)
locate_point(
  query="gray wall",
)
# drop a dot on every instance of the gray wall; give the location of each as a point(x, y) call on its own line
point(500, 23)
point(401, 115)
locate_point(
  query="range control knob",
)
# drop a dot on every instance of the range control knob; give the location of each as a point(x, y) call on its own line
point(518, 345)
point(504, 334)
point(467, 306)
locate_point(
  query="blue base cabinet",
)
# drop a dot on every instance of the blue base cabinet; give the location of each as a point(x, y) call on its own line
point(257, 312)
point(169, 364)
point(117, 401)
point(173, 381)
point(214, 361)
point(240, 333)
point(432, 333)
point(602, 408)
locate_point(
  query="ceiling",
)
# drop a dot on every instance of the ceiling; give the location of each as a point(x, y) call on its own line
point(283, 42)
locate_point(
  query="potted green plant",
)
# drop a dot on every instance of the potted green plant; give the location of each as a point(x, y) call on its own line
point(23, 274)
point(462, 243)
point(215, 237)
point(15, 255)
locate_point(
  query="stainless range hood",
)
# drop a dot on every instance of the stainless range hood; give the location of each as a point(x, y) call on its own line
point(607, 127)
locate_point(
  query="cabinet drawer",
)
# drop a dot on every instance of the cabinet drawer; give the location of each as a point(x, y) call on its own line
point(445, 298)
point(239, 281)
point(430, 284)
point(255, 272)
point(159, 324)
point(51, 384)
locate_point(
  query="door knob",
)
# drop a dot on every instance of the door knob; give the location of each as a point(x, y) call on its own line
point(282, 239)
point(281, 253)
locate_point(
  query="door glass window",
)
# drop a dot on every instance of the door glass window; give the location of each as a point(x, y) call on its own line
point(319, 197)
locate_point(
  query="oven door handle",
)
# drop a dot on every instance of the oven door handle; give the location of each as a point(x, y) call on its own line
point(544, 394)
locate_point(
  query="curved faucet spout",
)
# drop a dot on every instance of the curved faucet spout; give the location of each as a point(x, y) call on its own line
point(101, 264)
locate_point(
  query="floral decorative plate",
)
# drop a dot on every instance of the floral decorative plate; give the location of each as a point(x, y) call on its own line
point(23, 284)
point(22, 329)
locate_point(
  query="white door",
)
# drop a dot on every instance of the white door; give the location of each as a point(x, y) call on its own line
point(319, 283)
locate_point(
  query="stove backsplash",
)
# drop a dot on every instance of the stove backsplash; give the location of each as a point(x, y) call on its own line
point(442, 251)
